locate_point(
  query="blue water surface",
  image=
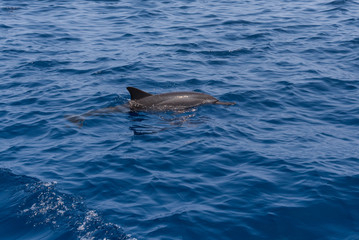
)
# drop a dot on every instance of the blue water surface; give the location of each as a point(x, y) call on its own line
point(283, 163)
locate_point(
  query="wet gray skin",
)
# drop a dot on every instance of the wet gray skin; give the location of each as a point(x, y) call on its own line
point(142, 101)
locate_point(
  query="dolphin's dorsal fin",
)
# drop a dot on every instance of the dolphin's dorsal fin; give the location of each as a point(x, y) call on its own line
point(137, 93)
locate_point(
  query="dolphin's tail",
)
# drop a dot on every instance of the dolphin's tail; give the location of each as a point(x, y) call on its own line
point(76, 119)
point(225, 103)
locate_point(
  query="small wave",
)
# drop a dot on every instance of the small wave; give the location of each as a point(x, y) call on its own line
point(4, 26)
point(136, 66)
point(10, 9)
point(76, 71)
point(238, 22)
point(339, 2)
point(323, 84)
point(183, 29)
point(122, 37)
point(226, 53)
point(42, 206)
point(354, 43)
point(336, 9)
point(217, 62)
point(69, 39)
point(43, 64)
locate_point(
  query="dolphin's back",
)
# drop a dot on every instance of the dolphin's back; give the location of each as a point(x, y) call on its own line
point(179, 99)
point(141, 100)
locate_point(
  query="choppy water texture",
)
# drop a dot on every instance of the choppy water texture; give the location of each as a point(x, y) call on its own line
point(283, 163)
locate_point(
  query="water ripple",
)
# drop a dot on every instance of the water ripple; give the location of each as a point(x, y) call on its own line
point(280, 163)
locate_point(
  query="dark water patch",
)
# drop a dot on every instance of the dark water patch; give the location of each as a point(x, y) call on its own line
point(100, 60)
point(257, 36)
point(3, 113)
point(10, 8)
point(183, 29)
point(39, 36)
point(211, 16)
point(271, 103)
point(152, 33)
point(287, 64)
point(24, 102)
point(339, 9)
point(188, 45)
point(20, 51)
point(239, 22)
point(340, 2)
point(327, 83)
point(192, 82)
point(45, 35)
point(74, 71)
point(312, 72)
point(45, 64)
point(300, 227)
point(36, 129)
point(11, 84)
point(314, 51)
point(228, 53)
point(350, 21)
point(354, 43)
point(3, 26)
point(217, 62)
point(336, 51)
point(340, 117)
point(127, 35)
point(69, 39)
point(184, 52)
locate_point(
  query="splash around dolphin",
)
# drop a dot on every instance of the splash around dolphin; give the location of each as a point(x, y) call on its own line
point(172, 101)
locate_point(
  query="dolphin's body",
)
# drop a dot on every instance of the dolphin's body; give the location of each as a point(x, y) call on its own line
point(143, 101)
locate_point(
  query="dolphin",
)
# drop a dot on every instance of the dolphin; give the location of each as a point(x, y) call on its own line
point(144, 101)
point(175, 101)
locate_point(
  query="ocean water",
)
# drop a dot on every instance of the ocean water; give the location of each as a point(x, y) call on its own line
point(283, 163)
